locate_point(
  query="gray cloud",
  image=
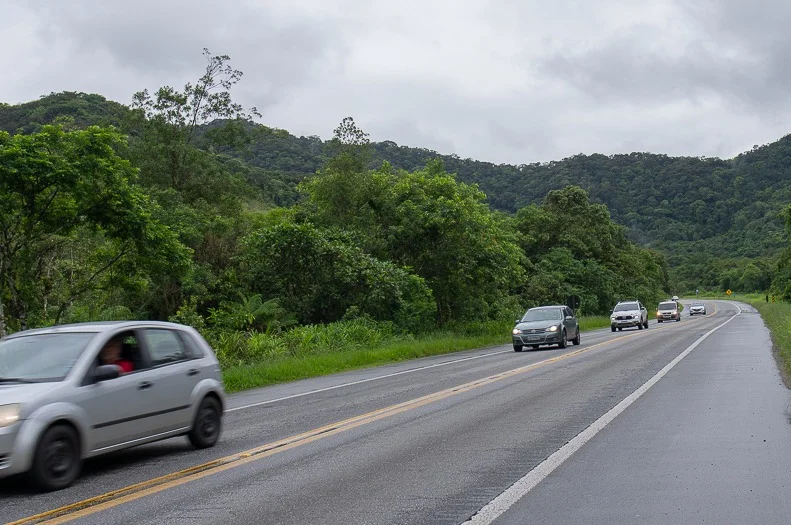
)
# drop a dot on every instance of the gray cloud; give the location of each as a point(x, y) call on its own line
point(501, 80)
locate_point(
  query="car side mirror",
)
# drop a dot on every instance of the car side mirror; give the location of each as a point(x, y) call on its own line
point(106, 372)
point(518, 321)
point(569, 317)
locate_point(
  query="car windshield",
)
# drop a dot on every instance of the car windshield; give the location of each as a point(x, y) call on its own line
point(41, 357)
point(542, 314)
point(625, 307)
point(667, 306)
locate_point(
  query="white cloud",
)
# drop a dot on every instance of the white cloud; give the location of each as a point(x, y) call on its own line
point(501, 80)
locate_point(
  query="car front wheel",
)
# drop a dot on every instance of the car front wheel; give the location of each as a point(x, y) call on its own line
point(207, 425)
point(563, 341)
point(57, 461)
point(517, 348)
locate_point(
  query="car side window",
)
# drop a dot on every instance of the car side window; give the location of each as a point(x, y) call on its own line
point(164, 346)
point(193, 348)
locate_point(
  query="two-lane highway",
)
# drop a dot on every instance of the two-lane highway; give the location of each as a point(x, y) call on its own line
point(430, 441)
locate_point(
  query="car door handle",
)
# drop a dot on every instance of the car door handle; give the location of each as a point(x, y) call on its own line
point(142, 385)
point(193, 372)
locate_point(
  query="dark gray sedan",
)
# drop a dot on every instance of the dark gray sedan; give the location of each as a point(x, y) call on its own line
point(546, 325)
point(76, 391)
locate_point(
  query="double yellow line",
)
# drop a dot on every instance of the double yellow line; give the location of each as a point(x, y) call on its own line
point(140, 490)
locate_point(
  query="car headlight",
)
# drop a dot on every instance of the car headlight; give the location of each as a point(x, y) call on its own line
point(9, 414)
point(516, 331)
point(553, 328)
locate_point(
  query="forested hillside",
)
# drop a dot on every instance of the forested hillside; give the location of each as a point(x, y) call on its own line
point(178, 207)
point(717, 222)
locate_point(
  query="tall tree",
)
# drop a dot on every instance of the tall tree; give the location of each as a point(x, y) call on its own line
point(54, 185)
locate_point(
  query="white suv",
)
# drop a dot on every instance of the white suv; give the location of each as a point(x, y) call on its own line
point(627, 314)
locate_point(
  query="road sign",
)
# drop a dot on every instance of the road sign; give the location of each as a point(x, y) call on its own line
point(728, 292)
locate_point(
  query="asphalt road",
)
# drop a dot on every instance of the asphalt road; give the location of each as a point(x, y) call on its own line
point(436, 440)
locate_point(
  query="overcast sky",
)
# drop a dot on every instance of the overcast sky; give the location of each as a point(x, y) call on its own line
point(505, 81)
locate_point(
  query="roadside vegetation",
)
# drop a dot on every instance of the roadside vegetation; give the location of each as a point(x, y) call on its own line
point(165, 210)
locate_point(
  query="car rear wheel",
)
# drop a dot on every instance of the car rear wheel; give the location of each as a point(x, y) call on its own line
point(57, 461)
point(207, 425)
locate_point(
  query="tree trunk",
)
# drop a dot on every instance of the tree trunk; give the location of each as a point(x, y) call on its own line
point(3, 331)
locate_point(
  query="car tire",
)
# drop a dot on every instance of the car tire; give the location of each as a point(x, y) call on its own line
point(645, 324)
point(563, 341)
point(207, 425)
point(658, 320)
point(57, 459)
point(534, 347)
point(620, 329)
point(640, 325)
point(576, 340)
point(517, 348)
point(612, 328)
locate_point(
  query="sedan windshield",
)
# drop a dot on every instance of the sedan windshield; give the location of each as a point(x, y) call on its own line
point(542, 314)
point(41, 357)
point(667, 306)
point(625, 307)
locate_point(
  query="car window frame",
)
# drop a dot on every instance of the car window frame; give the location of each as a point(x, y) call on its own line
point(103, 338)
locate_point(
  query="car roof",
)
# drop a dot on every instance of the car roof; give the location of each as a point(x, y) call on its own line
point(97, 327)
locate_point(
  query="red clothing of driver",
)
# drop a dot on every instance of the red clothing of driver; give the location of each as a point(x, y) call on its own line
point(126, 365)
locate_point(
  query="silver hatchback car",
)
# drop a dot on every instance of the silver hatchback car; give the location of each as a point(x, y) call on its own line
point(76, 391)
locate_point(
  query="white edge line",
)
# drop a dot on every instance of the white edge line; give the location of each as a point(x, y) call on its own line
point(495, 508)
point(342, 385)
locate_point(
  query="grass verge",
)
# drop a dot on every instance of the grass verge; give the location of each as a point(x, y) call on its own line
point(777, 316)
point(284, 368)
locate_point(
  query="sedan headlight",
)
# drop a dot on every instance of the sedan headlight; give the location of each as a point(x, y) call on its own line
point(553, 328)
point(9, 414)
point(516, 331)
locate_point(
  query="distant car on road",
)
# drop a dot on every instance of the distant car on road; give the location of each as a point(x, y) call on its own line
point(628, 314)
point(697, 309)
point(668, 311)
point(546, 325)
point(76, 391)
point(674, 298)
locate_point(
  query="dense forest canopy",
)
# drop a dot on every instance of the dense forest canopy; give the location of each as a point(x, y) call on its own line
point(213, 219)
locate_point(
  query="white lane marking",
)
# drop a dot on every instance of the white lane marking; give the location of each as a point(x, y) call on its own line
point(342, 385)
point(495, 508)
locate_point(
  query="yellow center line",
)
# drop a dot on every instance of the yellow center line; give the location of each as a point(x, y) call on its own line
point(130, 493)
